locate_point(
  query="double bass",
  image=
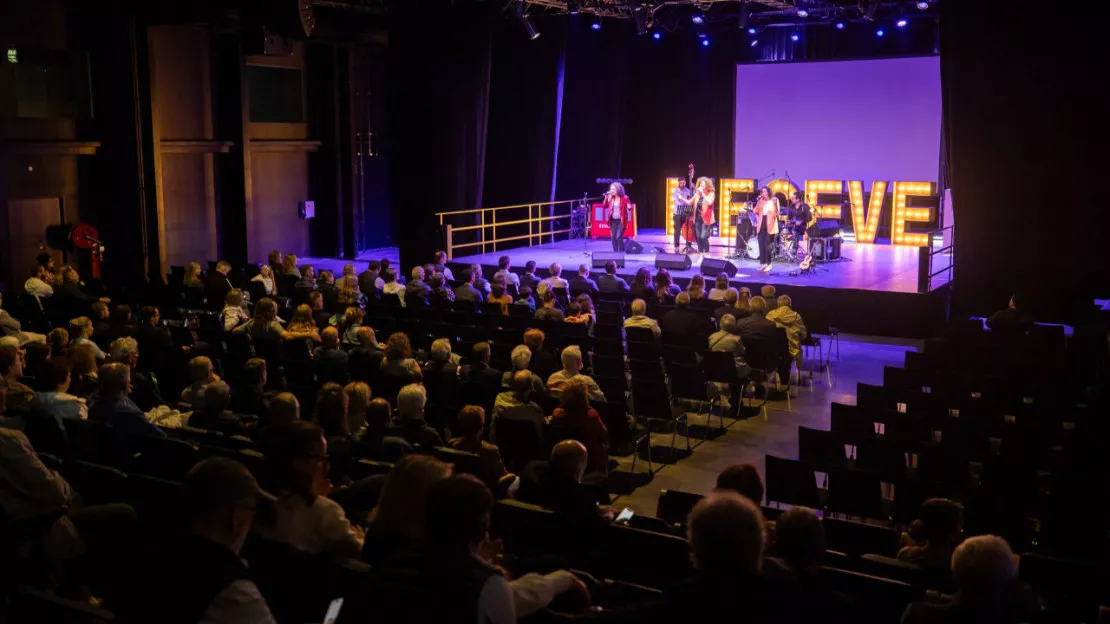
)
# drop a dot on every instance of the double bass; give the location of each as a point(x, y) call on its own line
point(688, 225)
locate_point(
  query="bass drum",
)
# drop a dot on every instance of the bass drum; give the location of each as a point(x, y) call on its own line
point(753, 248)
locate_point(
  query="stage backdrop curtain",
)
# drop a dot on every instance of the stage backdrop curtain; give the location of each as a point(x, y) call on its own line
point(438, 107)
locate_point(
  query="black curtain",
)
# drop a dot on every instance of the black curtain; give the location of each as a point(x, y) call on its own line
point(1026, 122)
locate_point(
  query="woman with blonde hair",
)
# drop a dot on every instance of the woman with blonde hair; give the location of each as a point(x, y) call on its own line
point(358, 399)
point(720, 287)
point(192, 276)
point(349, 326)
point(81, 331)
point(264, 324)
point(303, 323)
point(289, 266)
point(400, 520)
point(704, 216)
point(233, 314)
point(696, 289)
point(58, 340)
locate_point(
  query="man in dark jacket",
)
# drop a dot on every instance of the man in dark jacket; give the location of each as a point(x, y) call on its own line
point(416, 286)
point(466, 291)
point(755, 326)
point(529, 278)
point(582, 283)
point(610, 282)
point(217, 286)
point(683, 320)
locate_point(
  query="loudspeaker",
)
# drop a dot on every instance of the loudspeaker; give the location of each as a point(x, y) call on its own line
point(672, 261)
point(599, 258)
point(826, 249)
point(632, 247)
point(713, 266)
point(828, 227)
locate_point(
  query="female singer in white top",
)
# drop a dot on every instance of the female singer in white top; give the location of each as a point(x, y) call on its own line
point(767, 211)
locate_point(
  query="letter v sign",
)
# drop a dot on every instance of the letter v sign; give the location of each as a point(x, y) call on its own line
point(865, 228)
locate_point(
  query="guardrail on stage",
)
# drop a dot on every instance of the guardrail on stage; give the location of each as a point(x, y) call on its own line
point(925, 261)
point(540, 218)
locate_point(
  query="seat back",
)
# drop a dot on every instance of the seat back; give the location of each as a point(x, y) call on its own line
point(792, 482)
point(855, 493)
point(674, 505)
point(462, 461)
point(97, 484)
point(519, 443)
point(165, 458)
point(858, 538)
point(885, 599)
point(823, 449)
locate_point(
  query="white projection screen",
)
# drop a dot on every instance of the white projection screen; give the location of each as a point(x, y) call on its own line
point(841, 120)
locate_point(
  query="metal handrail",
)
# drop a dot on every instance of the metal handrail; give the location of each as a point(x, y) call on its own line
point(539, 214)
point(925, 273)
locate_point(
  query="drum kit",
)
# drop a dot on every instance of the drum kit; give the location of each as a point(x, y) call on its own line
point(786, 246)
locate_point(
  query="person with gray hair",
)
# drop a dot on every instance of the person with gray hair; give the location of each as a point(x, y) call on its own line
point(784, 316)
point(410, 423)
point(516, 404)
point(640, 318)
point(111, 404)
point(731, 307)
point(572, 365)
point(144, 389)
point(214, 415)
point(555, 280)
point(201, 373)
point(727, 340)
point(582, 283)
point(987, 588)
point(755, 326)
point(521, 358)
point(417, 288)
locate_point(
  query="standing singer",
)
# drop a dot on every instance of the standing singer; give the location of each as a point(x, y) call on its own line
point(703, 213)
point(767, 213)
point(681, 199)
point(616, 208)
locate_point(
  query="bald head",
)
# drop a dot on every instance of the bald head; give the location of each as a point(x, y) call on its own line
point(768, 292)
point(522, 384)
point(366, 337)
point(330, 337)
point(568, 459)
point(725, 531)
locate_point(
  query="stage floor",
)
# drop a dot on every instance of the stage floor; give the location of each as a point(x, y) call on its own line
point(885, 268)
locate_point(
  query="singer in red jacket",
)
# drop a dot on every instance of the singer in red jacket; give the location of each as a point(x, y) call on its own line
point(616, 208)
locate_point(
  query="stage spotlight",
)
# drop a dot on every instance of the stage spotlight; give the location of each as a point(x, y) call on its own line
point(526, 21)
point(803, 13)
point(870, 9)
point(840, 25)
point(794, 37)
point(596, 26)
point(901, 23)
point(705, 43)
point(656, 36)
point(698, 18)
point(923, 5)
point(751, 31)
point(755, 42)
point(879, 32)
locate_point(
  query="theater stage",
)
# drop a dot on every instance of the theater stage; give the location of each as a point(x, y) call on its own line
point(884, 268)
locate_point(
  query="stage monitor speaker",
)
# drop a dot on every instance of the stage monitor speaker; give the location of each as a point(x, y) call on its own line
point(713, 266)
point(632, 247)
point(672, 261)
point(599, 258)
point(826, 249)
point(828, 227)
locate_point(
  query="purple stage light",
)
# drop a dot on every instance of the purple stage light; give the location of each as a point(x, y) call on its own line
point(840, 25)
point(803, 13)
point(698, 18)
point(596, 25)
point(754, 42)
point(751, 30)
point(923, 5)
point(656, 36)
point(879, 33)
point(901, 23)
point(705, 42)
point(794, 37)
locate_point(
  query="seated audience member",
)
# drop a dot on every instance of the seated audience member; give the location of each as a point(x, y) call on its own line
point(696, 289)
point(50, 273)
point(319, 314)
point(572, 365)
point(641, 285)
point(801, 546)
point(70, 295)
point(441, 374)
point(439, 262)
point(289, 266)
point(264, 324)
point(416, 286)
point(480, 282)
point(683, 320)
point(731, 299)
point(307, 280)
point(214, 415)
point(440, 293)
point(143, 389)
point(219, 498)
point(36, 285)
point(358, 398)
point(400, 521)
point(332, 414)
point(720, 288)
point(349, 326)
point(121, 323)
point(303, 323)
point(768, 294)
point(987, 589)
point(10, 326)
point(755, 326)
point(152, 336)
point(55, 398)
point(498, 295)
point(517, 404)
point(398, 358)
point(1013, 319)
point(193, 277)
point(81, 332)
point(728, 341)
point(370, 281)
point(266, 278)
point(547, 310)
point(283, 409)
point(391, 286)
point(529, 278)
point(251, 398)
point(201, 373)
point(83, 372)
point(233, 313)
point(557, 485)
point(346, 286)
point(583, 312)
point(784, 316)
point(410, 423)
point(58, 341)
point(934, 535)
point(479, 371)
point(34, 354)
point(543, 362)
point(471, 421)
point(365, 360)
point(466, 290)
point(640, 318)
point(521, 358)
point(582, 283)
point(99, 318)
point(555, 280)
point(504, 270)
point(19, 395)
point(457, 555)
point(331, 361)
point(610, 282)
point(112, 405)
point(743, 479)
point(581, 422)
point(274, 260)
point(325, 283)
point(303, 516)
point(218, 285)
point(374, 441)
point(665, 288)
